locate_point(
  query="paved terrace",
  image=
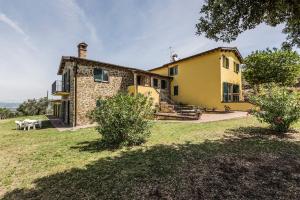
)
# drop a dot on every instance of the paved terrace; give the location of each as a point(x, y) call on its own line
point(206, 117)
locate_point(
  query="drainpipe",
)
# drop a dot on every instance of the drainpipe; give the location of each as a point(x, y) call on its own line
point(75, 95)
point(135, 83)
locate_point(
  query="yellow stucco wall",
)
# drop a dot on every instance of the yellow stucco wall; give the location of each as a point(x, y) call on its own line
point(147, 91)
point(228, 75)
point(200, 80)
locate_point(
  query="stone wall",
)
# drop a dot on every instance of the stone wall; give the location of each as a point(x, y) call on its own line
point(70, 97)
point(88, 91)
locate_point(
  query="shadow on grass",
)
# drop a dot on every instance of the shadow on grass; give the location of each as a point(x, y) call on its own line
point(93, 146)
point(46, 124)
point(250, 168)
point(259, 133)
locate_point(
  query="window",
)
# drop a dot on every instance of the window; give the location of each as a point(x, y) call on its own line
point(66, 78)
point(100, 75)
point(225, 62)
point(176, 90)
point(173, 71)
point(155, 82)
point(231, 92)
point(236, 68)
point(163, 84)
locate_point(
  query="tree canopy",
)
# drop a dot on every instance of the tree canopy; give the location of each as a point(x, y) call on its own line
point(225, 19)
point(34, 106)
point(272, 66)
point(6, 113)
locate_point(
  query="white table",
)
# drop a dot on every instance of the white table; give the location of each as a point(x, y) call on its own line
point(32, 123)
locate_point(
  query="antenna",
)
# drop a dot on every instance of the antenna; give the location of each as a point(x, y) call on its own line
point(171, 53)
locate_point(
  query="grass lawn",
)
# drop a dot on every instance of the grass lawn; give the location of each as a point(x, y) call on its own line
point(233, 159)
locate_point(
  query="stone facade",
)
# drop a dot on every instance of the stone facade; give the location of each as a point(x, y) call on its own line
point(85, 91)
point(88, 91)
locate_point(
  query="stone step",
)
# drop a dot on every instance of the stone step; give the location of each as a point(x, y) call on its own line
point(175, 116)
point(188, 114)
point(187, 111)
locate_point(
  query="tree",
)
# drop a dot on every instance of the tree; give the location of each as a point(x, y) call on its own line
point(278, 107)
point(225, 19)
point(272, 66)
point(6, 113)
point(123, 119)
point(34, 106)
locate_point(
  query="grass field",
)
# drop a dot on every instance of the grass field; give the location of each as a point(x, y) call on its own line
point(233, 159)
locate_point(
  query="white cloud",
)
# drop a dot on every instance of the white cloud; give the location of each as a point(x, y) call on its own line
point(73, 10)
point(14, 25)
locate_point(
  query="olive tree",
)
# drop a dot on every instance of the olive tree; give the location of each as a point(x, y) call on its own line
point(272, 66)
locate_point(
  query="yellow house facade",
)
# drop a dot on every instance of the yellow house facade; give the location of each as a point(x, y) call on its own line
point(210, 79)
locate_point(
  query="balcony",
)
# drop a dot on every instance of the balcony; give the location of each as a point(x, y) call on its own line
point(59, 89)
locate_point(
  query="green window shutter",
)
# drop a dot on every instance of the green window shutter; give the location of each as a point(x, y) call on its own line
point(171, 71)
point(105, 75)
point(234, 66)
point(237, 68)
point(163, 84)
point(227, 63)
point(98, 75)
point(155, 82)
point(224, 61)
point(225, 92)
point(176, 90)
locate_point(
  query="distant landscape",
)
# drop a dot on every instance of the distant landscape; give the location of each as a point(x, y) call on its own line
point(11, 106)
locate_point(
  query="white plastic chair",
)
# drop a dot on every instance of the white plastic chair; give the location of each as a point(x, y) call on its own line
point(20, 125)
point(28, 125)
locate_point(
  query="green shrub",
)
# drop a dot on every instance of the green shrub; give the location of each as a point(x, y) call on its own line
point(277, 106)
point(123, 120)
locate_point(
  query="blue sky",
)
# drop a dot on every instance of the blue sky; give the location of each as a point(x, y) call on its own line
point(34, 34)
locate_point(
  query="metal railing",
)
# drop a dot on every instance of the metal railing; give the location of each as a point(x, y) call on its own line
point(57, 86)
point(231, 97)
point(235, 97)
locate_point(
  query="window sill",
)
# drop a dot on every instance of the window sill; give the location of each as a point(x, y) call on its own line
point(234, 102)
point(99, 81)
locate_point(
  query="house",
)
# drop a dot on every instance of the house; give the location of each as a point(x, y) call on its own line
point(211, 79)
point(84, 81)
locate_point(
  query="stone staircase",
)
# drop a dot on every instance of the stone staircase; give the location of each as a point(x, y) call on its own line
point(171, 111)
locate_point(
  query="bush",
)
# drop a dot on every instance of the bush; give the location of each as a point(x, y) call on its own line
point(278, 107)
point(123, 120)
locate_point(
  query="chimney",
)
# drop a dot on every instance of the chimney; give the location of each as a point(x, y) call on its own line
point(82, 50)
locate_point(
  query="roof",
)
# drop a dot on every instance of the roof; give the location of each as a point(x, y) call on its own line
point(83, 60)
point(236, 51)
